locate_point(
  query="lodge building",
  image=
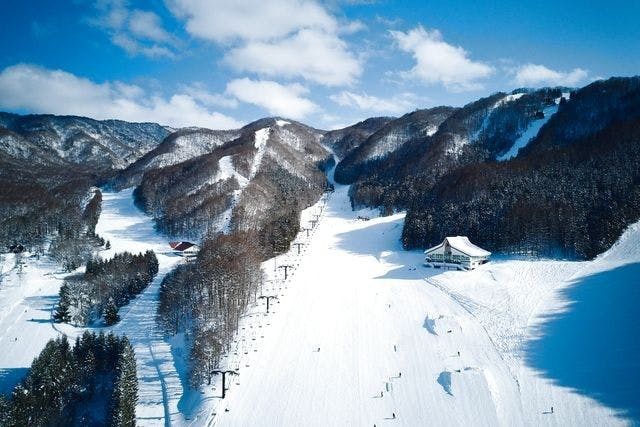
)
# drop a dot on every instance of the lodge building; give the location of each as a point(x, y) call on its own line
point(456, 252)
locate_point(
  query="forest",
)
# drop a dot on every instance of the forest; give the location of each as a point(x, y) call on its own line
point(205, 299)
point(104, 287)
point(571, 194)
point(92, 382)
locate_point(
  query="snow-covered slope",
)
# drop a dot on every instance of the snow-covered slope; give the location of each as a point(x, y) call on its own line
point(29, 294)
point(531, 131)
point(179, 146)
point(363, 331)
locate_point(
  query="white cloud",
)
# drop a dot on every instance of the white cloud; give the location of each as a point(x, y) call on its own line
point(138, 32)
point(198, 92)
point(396, 105)
point(133, 47)
point(147, 25)
point(277, 99)
point(224, 20)
point(440, 62)
point(310, 54)
point(42, 90)
point(539, 75)
point(284, 38)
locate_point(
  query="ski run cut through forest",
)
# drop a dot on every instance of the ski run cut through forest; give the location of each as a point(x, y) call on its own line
point(360, 332)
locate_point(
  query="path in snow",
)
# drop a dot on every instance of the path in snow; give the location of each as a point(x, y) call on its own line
point(159, 383)
point(360, 335)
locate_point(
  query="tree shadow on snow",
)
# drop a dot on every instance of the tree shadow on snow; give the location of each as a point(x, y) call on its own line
point(593, 346)
point(10, 377)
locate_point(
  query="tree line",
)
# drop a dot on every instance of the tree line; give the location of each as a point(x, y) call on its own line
point(93, 382)
point(205, 299)
point(104, 287)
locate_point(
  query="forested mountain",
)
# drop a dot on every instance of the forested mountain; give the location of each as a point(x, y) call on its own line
point(265, 176)
point(341, 141)
point(177, 147)
point(365, 158)
point(48, 164)
point(570, 193)
point(480, 131)
point(101, 145)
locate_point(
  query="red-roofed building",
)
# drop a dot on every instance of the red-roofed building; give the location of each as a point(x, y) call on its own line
point(186, 249)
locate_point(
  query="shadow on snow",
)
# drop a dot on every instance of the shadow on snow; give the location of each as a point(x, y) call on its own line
point(593, 346)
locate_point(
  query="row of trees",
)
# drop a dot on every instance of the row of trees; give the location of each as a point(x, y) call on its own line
point(206, 298)
point(93, 382)
point(104, 287)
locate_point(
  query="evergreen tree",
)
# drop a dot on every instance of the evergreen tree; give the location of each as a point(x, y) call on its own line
point(5, 410)
point(62, 312)
point(111, 316)
point(125, 392)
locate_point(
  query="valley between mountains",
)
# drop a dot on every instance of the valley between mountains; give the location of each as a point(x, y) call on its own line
point(308, 285)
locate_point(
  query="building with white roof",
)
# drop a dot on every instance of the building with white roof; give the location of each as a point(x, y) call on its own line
point(456, 252)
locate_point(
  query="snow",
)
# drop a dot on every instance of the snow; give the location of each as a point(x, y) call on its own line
point(282, 122)
point(361, 331)
point(530, 133)
point(160, 384)
point(28, 297)
point(360, 316)
point(463, 244)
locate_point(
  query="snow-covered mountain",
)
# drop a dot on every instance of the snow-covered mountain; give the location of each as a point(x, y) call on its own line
point(342, 141)
point(478, 132)
point(106, 144)
point(271, 170)
point(570, 192)
point(368, 155)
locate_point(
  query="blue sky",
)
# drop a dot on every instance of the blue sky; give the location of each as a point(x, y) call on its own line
point(221, 64)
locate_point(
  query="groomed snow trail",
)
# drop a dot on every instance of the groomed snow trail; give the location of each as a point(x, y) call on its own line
point(160, 387)
point(363, 332)
point(28, 297)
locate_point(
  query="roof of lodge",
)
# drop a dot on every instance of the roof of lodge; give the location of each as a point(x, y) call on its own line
point(180, 246)
point(462, 244)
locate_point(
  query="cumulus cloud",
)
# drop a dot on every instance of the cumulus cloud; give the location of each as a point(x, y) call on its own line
point(286, 38)
point(224, 20)
point(277, 99)
point(539, 75)
point(41, 90)
point(313, 55)
point(396, 105)
point(138, 32)
point(440, 62)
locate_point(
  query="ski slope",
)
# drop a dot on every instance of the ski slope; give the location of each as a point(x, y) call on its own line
point(160, 370)
point(28, 296)
point(360, 331)
point(363, 332)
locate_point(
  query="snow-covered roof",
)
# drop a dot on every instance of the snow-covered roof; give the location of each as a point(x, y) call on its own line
point(462, 244)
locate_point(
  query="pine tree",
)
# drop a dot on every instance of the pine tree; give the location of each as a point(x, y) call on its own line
point(5, 410)
point(107, 245)
point(111, 316)
point(125, 392)
point(62, 312)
